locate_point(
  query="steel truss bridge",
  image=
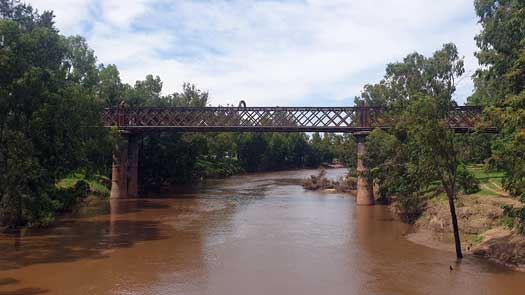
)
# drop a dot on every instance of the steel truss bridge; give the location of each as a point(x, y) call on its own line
point(275, 119)
point(132, 122)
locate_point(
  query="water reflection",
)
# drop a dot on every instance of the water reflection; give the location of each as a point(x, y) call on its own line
point(251, 234)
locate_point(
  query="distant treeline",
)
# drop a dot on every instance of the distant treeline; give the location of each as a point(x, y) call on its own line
point(53, 149)
point(168, 157)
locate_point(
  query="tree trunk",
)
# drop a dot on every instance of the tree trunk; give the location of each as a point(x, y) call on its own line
point(455, 226)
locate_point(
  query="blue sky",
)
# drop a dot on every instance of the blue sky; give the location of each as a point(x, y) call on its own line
point(268, 52)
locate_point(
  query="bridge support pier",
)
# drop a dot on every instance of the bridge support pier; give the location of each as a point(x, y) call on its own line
point(133, 167)
point(365, 191)
point(124, 174)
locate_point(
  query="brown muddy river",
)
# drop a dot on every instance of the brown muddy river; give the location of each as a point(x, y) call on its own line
point(252, 234)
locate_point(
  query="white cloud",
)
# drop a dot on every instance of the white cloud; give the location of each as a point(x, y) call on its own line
point(270, 52)
point(70, 14)
point(122, 13)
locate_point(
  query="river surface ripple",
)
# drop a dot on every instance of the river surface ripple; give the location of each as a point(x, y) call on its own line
point(251, 234)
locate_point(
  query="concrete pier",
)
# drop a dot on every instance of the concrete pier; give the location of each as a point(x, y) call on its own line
point(124, 174)
point(365, 193)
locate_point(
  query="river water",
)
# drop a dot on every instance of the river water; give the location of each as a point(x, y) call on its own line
point(250, 234)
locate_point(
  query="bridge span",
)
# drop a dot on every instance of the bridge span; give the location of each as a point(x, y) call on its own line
point(132, 122)
point(271, 119)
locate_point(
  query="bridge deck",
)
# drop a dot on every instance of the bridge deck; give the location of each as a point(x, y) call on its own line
point(274, 119)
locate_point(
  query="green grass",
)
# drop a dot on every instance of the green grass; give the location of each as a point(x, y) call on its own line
point(490, 179)
point(486, 176)
point(96, 185)
point(486, 192)
point(475, 239)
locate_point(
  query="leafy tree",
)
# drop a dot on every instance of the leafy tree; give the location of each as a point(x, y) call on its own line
point(110, 89)
point(146, 93)
point(420, 150)
point(344, 149)
point(500, 84)
point(80, 63)
point(46, 103)
point(437, 151)
point(251, 150)
point(52, 93)
point(387, 163)
point(190, 97)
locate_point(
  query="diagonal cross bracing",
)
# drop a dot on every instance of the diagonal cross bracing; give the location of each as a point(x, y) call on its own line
point(274, 119)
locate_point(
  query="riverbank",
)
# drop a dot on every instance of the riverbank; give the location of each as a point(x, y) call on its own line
point(483, 227)
point(69, 195)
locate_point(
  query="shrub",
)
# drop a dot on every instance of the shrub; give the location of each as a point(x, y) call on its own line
point(410, 207)
point(345, 184)
point(514, 217)
point(467, 182)
point(66, 198)
point(342, 184)
point(81, 189)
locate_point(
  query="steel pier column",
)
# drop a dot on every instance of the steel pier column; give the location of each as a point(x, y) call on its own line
point(133, 166)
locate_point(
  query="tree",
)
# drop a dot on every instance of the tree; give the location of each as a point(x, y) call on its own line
point(500, 86)
point(46, 102)
point(190, 97)
point(420, 149)
point(110, 89)
point(80, 63)
point(52, 94)
point(438, 153)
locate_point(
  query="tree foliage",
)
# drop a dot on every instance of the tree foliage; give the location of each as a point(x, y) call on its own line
point(420, 152)
point(52, 93)
point(47, 84)
point(168, 158)
point(500, 85)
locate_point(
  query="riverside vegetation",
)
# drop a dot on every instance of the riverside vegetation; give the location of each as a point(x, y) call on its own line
point(52, 89)
point(347, 183)
point(423, 166)
point(54, 153)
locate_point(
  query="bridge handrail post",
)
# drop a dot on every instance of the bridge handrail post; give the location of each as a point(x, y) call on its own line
point(121, 113)
point(364, 117)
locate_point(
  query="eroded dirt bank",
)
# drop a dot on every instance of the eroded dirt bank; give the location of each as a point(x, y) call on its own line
point(482, 226)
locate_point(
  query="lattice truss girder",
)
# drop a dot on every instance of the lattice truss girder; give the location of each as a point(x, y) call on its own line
point(274, 118)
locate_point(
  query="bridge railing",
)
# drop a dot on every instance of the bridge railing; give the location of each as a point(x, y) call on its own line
point(270, 119)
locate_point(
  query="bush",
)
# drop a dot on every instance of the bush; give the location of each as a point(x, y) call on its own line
point(514, 218)
point(467, 182)
point(81, 189)
point(66, 198)
point(410, 207)
point(347, 183)
point(98, 185)
point(342, 184)
point(217, 168)
point(319, 181)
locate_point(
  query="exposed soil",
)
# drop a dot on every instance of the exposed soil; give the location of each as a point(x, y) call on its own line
point(481, 228)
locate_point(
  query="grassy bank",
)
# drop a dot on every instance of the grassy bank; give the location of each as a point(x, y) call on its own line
point(485, 229)
point(98, 185)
